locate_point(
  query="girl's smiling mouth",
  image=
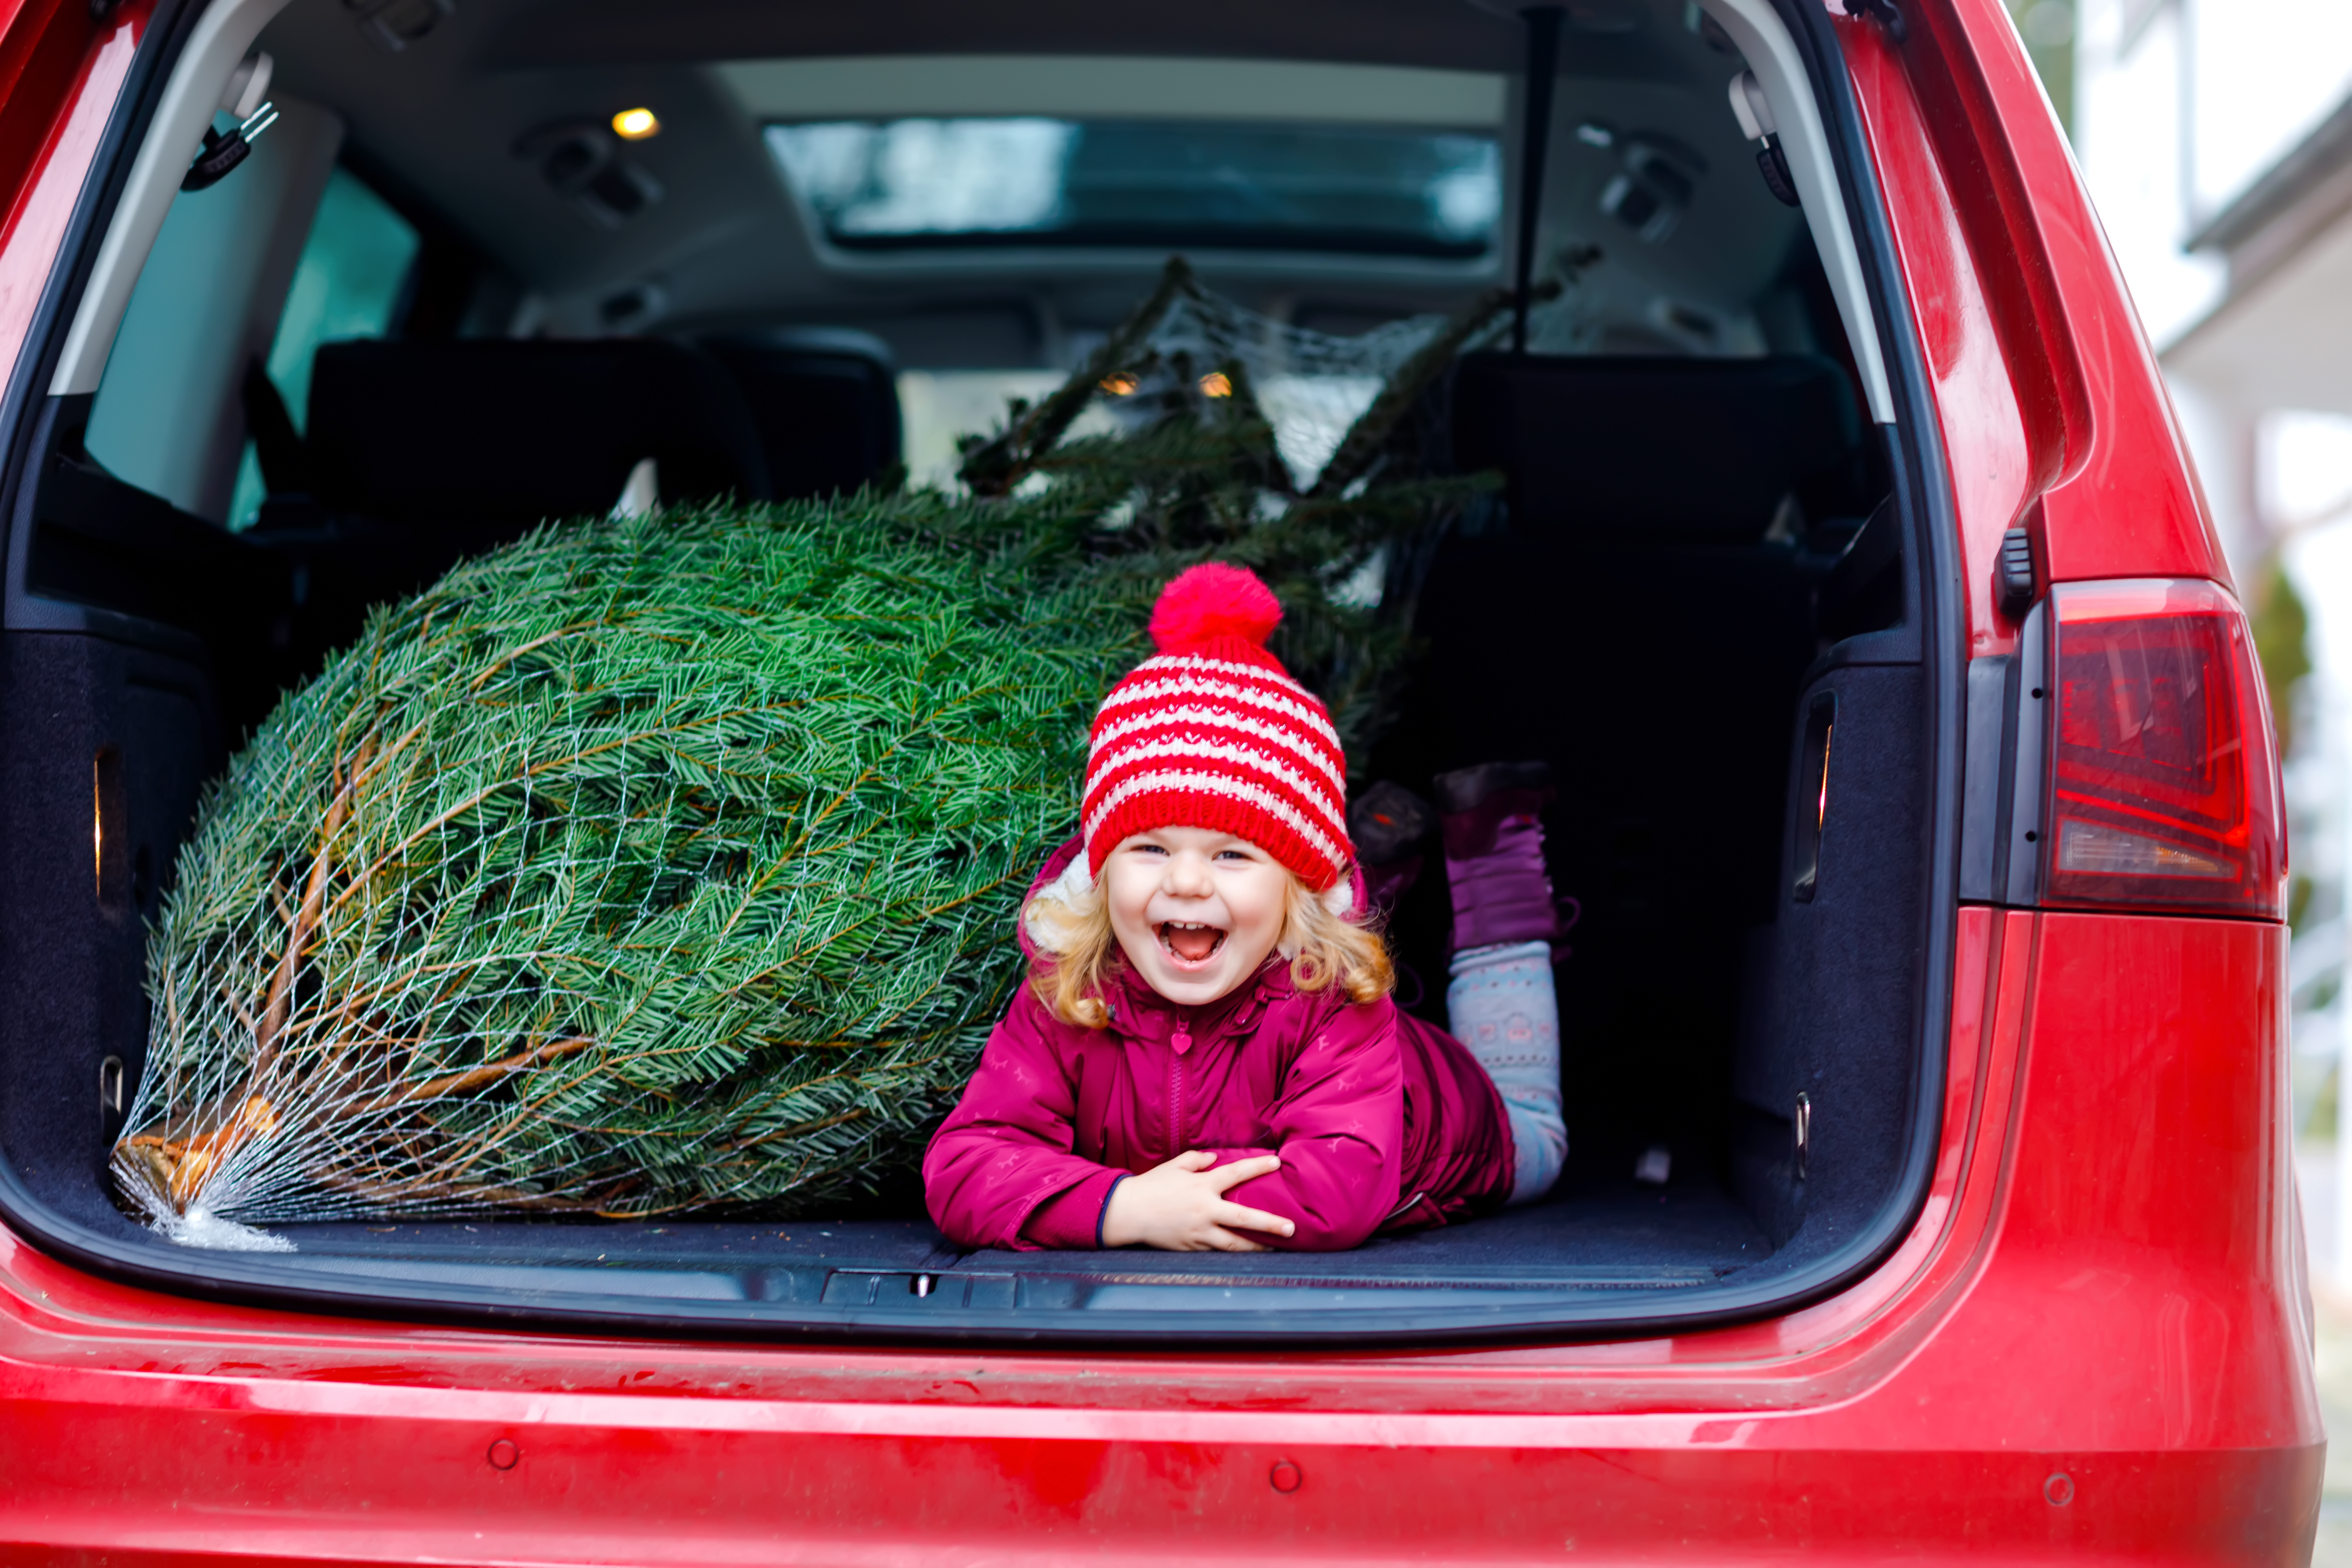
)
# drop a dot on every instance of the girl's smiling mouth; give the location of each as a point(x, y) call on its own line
point(1190, 942)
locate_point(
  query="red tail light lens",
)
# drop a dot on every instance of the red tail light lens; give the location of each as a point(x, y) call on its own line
point(2164, 782)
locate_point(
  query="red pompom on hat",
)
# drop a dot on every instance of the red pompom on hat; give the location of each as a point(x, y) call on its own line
point(1212, 601)
point(1212, 732)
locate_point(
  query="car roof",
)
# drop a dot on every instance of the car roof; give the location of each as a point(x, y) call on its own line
point(453, 127)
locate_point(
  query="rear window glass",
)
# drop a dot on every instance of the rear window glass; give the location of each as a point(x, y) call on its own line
point(1310, 412)
point(937, 407)
point(880, 185)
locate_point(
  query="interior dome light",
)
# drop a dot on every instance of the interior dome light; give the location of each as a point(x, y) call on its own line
point(636, 124)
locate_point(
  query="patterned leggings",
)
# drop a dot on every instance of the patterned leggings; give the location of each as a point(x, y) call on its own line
point(1501, 1006)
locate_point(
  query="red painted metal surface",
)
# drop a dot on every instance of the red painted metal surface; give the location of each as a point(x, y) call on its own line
point(2083, 435)
point(60, 74)
point(2091, 1342)
point(1993, 460)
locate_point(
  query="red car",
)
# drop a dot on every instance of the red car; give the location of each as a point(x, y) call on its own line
point(1917, 781)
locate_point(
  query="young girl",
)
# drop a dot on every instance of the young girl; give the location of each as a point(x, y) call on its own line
point(1206, 1055)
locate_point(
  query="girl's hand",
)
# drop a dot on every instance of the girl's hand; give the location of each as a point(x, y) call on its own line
point(1180, 1206)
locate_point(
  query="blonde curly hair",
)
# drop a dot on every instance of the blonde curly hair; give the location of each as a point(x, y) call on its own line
point(1070, 926)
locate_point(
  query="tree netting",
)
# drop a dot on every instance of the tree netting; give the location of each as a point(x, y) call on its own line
point(639, 866)
point(1311, 386)
point(669, 864)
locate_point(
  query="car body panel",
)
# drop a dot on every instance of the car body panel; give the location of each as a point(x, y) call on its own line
point(2074, 1302)
point(2091, 1341)
point(2010, 272)
point(61, 75)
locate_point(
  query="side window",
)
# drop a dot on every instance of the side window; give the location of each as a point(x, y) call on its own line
point(348, 284)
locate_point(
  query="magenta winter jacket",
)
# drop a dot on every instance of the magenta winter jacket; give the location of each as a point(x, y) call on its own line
point(1383, 1122)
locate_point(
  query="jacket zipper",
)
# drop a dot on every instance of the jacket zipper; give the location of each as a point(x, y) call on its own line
point(1176, 1082)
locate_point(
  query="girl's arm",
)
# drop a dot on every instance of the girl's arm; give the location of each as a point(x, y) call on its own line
point(1339, 1129)
point(999, 1170)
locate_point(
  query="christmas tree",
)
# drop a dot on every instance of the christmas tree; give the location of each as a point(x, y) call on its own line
point(670, 864)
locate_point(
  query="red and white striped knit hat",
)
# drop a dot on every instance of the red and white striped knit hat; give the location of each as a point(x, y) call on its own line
point(1212, 732)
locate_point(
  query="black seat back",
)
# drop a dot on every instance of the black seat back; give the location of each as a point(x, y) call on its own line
point(494, 433)
point(1661, 450)
point(825, 404)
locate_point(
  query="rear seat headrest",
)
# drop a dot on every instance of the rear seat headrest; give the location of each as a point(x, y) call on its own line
point(825, 402)
point(1697, 450)
point(504, 431)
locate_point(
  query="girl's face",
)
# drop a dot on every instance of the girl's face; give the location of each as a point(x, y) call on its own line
point(1195, 912)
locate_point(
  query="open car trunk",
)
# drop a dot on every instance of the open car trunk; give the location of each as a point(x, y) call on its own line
point(1707, 597)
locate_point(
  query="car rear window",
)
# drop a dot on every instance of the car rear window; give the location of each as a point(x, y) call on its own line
point(879, 184)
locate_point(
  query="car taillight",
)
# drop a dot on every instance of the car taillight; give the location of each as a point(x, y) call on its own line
point(2163, 789)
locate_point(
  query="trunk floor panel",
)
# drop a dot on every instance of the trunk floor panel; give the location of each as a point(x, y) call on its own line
point(1629, 1237)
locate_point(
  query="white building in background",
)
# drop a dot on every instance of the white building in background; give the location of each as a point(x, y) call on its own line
point(2216, 136)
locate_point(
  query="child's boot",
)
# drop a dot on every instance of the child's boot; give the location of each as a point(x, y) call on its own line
point(1494, 854)
point(1502, 1003)
point(1388, 824)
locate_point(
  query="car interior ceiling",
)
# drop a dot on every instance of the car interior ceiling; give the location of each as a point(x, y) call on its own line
point(1693, 577)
